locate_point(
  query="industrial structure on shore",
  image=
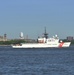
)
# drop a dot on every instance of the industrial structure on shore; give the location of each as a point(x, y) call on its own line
point(3, 38)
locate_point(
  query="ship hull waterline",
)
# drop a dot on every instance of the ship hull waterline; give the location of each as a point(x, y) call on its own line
point(38, 45)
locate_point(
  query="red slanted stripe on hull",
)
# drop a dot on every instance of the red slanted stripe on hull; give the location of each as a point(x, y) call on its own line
point(61, 44)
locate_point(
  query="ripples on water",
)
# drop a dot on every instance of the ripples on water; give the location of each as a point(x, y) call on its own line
point(50, 61)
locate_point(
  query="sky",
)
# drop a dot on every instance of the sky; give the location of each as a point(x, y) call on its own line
point(32, 16)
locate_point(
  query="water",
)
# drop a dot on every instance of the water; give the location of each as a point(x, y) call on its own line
point(50, 61)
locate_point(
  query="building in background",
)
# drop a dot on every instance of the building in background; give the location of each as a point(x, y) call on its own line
point(69, 38)
point(3, 38)
point(21, 35)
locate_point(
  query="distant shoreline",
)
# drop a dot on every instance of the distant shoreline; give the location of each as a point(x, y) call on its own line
point(5, 45)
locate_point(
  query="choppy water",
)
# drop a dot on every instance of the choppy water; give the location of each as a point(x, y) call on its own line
point(50, 61)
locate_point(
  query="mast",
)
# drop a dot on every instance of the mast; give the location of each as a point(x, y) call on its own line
point(45, 34)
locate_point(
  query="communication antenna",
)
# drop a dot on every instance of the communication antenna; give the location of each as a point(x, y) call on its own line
point(45, 34)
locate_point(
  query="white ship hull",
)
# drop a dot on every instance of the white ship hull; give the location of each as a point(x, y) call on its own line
point(42, 45)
